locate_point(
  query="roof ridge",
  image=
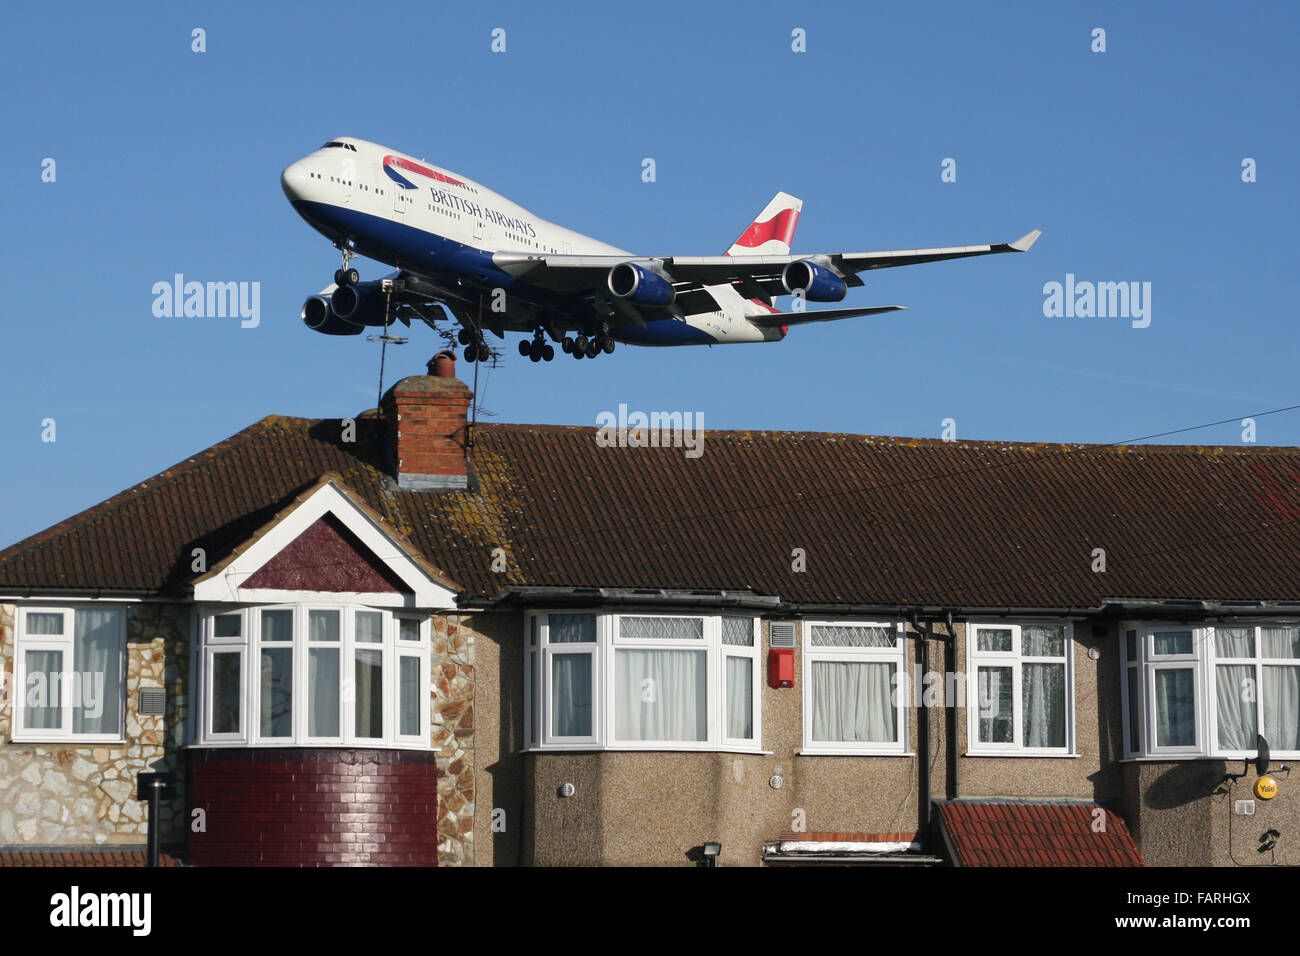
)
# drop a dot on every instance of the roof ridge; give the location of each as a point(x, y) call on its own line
point(915, 441)
point(130, 494)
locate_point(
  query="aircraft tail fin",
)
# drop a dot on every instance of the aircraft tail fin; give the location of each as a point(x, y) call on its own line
point(772, 231)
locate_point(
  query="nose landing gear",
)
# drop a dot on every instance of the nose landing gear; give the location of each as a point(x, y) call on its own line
point(346, 275)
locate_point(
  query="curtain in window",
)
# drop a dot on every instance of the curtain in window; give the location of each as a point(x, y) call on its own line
point(571, 628)
point(1235, 693)
point(323, 692)
point(225, 692)
point(571, 695)
point(660, 695)
point(995, 691)
point(409, 696)
point(322, 625)
point(1175, 707)
point(276, 692)
point(853, 702)
point(740, 698)
point(370, 627)
point(369, 676)
point(1281, 642)
point(97, 671)
point(43, 700)
point(1042, 692)
point(1281, 697)
point(1234, 642)
point(44, 623)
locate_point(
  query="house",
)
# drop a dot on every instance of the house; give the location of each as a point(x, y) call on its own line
point(403, 639)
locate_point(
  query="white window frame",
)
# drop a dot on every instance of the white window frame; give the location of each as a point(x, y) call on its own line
point(250, 645)
point(547, 652)
point(1015, 659)
point(896, 655)
point(538, 654)
point(1203, 661)
point(65, 644)
point(753, 654)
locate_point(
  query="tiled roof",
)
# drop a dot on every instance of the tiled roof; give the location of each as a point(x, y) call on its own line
point(879, 520)
point(1007, 833)
point(80, 856)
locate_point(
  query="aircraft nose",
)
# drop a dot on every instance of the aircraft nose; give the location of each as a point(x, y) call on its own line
point(293, 179)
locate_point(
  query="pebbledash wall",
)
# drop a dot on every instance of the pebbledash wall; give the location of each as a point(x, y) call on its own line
point(57, 794)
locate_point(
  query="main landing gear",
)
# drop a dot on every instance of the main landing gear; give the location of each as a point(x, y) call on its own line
point(476, 349)
point(582, 347)
point(347, 275)
point(538, 350)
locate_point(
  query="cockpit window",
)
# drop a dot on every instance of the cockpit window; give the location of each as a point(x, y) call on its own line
point(337, 145)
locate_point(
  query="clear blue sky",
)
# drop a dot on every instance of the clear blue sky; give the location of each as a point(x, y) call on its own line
point(1130, 161)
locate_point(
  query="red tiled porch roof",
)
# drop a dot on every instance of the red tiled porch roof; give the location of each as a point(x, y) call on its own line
point(998, 833)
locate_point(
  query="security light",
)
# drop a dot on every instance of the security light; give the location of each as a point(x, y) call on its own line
point(711, 853)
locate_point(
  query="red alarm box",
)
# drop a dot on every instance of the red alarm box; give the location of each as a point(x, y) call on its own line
point(780, 667)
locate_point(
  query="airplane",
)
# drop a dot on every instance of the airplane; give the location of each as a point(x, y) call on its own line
point(497, 267)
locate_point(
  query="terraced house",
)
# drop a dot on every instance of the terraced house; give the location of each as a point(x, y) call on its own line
point(405, 640)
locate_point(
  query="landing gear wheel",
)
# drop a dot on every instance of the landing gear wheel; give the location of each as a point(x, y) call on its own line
point(463, 337)
point(578, 353)
point(580, 343)
point(338, 277)
point(592, 349)
point(471, 353)
point(484, 353)
point(524, 347)
point(548, 353)
point(351, 276)
point(608, 347)
point(566, 346)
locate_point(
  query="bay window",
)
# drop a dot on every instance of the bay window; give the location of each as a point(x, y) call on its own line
point(317, 676)
point(1201, 690)
point(854, 679)
point(641, 681)
point(1020, 688)
point(68, 671)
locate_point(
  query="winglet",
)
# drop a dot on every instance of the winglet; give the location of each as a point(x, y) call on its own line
point(1024, 242)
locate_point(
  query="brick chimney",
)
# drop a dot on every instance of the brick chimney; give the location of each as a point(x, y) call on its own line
point(424, 420)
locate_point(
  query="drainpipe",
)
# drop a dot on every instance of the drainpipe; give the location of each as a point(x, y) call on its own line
point(923, 736)
point(950, 717)
point(152, 787)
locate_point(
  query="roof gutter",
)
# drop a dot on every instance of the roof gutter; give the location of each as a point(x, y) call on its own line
point(773, 605)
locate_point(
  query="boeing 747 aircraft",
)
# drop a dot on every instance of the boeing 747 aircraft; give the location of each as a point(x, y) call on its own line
point(495, 266)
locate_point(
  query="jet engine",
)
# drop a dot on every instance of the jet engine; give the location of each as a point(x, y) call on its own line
point(815, 282)
point(627, 280)
point(360, 304)
point(319, 316)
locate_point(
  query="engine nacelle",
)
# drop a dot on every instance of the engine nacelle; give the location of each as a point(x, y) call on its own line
point(319, 316)
point(816, 283)
point(361, 304)
point(627, 280)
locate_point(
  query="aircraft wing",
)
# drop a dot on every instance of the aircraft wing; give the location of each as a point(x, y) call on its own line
point(777, 319)
point(575, 272)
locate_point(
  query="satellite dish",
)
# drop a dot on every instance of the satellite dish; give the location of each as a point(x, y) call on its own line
point(1262, 758)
